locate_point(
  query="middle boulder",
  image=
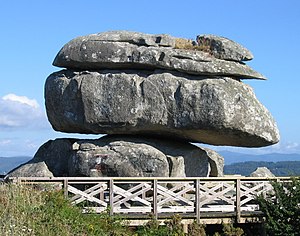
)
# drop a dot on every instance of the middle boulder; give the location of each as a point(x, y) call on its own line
point(217, 111)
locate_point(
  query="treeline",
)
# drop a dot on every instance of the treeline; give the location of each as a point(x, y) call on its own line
point(281, 168)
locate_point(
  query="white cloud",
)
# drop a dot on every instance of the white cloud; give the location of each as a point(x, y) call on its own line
point(285, 147)
point(5, 142)
point(21, 112)
point(21, 99)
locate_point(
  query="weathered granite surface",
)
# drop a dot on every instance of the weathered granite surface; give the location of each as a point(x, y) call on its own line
point(262, 172)
point(153, 94)
point(131, 50)
point(123, 156)
point(31, 169)
point(223, 48)
point(217, 111)
point(216, 162)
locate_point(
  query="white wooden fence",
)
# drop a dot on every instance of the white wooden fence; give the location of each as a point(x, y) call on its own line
point(136, 198)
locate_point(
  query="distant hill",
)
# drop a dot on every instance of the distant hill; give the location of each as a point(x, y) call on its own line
point(8, 163)
point(281, 168)
point(235, 157)
point(244, 164)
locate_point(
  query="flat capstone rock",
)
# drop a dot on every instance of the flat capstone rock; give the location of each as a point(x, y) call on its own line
point(130, 50)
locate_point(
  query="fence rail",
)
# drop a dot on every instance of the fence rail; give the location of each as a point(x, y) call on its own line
point(136, 198)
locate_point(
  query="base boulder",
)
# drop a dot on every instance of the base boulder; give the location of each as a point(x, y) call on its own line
point(123, 156)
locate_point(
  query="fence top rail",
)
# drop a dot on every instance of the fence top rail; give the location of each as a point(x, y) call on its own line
point(143, 179)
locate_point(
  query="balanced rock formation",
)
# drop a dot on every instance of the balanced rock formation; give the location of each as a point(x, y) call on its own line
point(217, 111)
point(153, 94)
point(121, 156)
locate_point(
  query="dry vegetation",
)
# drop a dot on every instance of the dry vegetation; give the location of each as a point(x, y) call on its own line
point(188, 44)
point(28, 211)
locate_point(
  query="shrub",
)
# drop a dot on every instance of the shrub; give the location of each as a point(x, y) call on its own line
point(196, 229)
point(230, 230)
point(172, 227)
point(282, 211)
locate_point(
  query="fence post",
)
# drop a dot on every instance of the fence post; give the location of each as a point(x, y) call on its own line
point(65, 187)
point(111, 197)
point(155, 213)
point(238, 200)
point(197, 200)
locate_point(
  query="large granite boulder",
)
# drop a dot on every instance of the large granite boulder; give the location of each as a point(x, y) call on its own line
point(31, 169)
point(220, 47)
point(216, 162)
point(217, 111)
point(117, 157)
point(262, 172)
point(61, 150)
point(50, 160)
point(121, 156)
point(130, 50)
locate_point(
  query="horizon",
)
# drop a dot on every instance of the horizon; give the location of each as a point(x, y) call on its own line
point(220, 152)
point(33, 33)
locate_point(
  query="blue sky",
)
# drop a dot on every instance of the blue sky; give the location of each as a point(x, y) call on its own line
point(33, 31)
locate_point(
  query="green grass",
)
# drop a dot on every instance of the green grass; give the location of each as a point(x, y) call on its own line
point(25, 210)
